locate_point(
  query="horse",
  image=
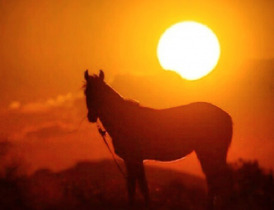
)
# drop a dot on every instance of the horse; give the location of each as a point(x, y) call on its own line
point(141, 133)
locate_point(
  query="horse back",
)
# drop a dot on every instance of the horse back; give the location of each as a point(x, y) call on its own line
point(168, 134)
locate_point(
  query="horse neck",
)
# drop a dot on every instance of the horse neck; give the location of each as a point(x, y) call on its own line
point(112, 96)
point(111, 108)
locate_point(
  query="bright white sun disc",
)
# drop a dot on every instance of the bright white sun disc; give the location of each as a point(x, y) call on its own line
point(189, 48)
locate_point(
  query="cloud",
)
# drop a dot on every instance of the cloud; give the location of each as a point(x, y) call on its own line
point(55, 128)
point(43, 106)
point(65, 111)
point(15, 105)
point(48, 131)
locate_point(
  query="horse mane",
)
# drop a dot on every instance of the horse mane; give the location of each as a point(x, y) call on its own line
point(128, 101)
point(109, 90)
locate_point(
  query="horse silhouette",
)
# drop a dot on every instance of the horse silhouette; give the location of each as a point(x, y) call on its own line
point(141, 133)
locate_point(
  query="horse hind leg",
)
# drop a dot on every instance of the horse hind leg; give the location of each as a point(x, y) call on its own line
point(218, 176)
point(141, 177)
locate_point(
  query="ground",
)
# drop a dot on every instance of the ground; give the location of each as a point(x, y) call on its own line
point(99, 185)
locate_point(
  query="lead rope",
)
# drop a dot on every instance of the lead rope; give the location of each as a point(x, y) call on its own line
point(79, 125)
point(103, 134)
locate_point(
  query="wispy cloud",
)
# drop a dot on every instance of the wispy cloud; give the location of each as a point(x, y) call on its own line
point(42, 106)
point(65, 100)
point(14, 105)
point(48, 131)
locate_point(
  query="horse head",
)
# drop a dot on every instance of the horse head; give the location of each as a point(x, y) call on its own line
point(93, 92)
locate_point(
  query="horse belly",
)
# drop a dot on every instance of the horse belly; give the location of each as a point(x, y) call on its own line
point(166, 156)
point(167, 150)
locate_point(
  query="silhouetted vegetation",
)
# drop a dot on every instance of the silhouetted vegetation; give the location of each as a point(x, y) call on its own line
point(99, 185)
point(11, 194)
point(253, 186)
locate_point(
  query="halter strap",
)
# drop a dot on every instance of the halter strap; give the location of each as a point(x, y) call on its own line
point(103, 134)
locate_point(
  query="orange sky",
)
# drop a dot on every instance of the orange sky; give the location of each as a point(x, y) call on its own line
point(46, 46)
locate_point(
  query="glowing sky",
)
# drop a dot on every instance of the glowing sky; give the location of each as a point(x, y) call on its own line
point(47, 45)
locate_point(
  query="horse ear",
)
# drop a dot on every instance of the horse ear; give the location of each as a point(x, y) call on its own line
point(101, 75)
point(86, 75)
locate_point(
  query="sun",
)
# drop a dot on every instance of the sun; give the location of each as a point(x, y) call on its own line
point(189, 48)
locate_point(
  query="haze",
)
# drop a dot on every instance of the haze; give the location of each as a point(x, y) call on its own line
point(47, 45)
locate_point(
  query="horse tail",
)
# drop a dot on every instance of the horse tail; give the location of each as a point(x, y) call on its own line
point(229, 130)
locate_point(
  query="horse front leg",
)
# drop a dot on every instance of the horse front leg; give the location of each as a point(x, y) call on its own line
point(131, 181)
point(136, 172)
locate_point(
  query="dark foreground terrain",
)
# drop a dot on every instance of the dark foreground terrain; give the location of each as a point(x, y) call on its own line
point(99, 185)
